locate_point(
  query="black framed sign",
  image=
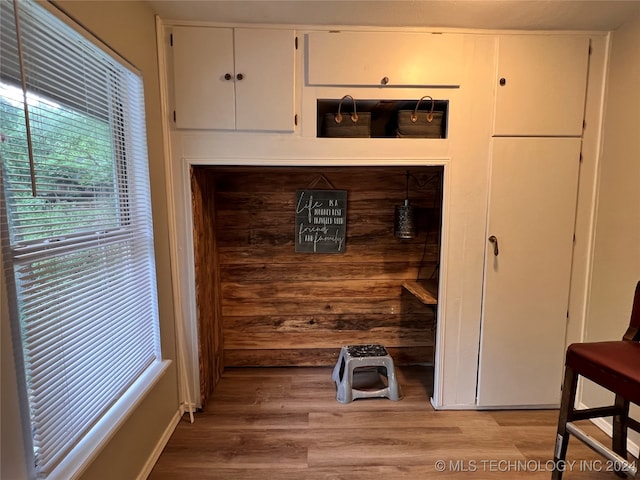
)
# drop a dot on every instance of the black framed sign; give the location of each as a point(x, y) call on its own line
point(321, 221)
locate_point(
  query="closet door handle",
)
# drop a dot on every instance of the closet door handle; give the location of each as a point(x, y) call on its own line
point(494, 240)
point(228, 76)
point(240, 76)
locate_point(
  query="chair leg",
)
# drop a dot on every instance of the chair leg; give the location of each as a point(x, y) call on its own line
point(620, 425)
point(566, 409)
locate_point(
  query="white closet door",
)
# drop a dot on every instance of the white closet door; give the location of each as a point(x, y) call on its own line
point(531, 214)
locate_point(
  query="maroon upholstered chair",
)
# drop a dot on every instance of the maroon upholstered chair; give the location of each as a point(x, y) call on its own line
point(615, 366)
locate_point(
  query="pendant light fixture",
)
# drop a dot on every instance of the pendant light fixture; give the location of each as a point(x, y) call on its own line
point(404, 223)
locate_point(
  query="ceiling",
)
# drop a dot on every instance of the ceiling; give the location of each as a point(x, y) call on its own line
point(478, 14)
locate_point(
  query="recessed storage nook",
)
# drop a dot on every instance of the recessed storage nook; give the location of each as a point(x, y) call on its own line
point(259, 303)
point(423, 118)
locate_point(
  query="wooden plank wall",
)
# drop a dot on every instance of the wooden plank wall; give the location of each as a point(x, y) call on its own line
point(279, 307)
point(210, 348)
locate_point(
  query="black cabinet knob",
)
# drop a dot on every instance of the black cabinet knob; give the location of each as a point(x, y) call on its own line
point(228, 76)
point(384, 81)
point(239, 76)
point(503, 82)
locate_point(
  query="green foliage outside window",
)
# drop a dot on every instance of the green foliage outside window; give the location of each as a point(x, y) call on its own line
point(75, 169)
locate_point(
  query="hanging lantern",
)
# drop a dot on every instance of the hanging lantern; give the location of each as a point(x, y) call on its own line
point(404, 223)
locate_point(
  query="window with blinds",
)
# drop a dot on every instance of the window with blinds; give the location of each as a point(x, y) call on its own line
point(76, 227)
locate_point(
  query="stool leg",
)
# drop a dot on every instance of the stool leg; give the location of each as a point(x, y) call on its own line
point(346, 393)
point(392, 383)
point(339, 376)
point(338, 370)
point(566, 409)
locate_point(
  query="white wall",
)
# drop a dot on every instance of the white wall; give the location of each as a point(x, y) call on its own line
point(129, 28)
point(616, 257)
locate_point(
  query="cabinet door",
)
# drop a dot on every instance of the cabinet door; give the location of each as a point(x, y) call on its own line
point(202, 57)
point(368, 58)
point(265, 96)
point(531, 214)
point(541, 85)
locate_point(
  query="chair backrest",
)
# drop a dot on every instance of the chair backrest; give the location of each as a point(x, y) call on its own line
point(633, 332)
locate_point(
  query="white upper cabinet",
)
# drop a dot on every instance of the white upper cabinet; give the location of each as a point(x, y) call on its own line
point(384, 58)
point(234, 78)
point(541, 85)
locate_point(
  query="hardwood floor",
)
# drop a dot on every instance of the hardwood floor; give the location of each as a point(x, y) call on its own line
point(285, 424)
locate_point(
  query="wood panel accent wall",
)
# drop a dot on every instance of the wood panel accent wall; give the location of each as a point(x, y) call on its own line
point(278, 307)
point(207, 279)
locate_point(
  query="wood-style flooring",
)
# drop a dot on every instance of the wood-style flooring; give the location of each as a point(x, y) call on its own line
point(285, 424)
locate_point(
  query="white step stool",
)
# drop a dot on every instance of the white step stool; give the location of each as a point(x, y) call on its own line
point(354, 357)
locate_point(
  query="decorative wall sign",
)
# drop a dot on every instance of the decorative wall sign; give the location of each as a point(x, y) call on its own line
point(321, 221)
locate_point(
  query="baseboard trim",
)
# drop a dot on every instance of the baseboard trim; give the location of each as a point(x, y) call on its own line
point(162, 442)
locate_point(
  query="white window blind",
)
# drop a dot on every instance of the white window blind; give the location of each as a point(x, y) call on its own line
point(81, 250)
